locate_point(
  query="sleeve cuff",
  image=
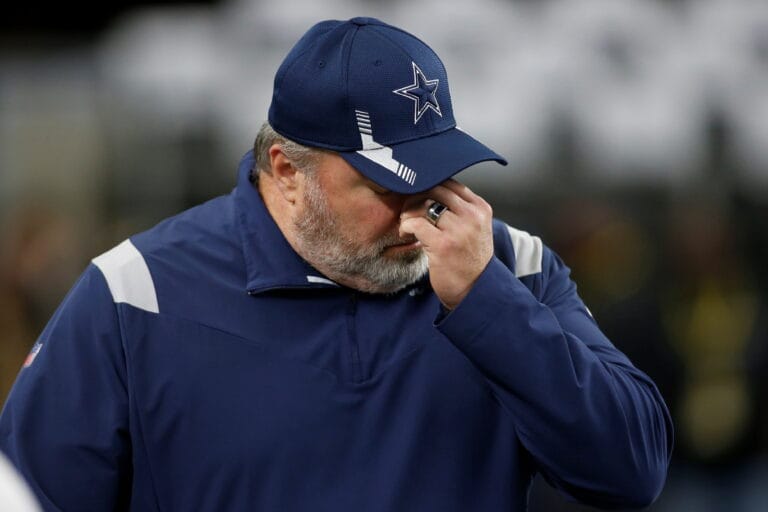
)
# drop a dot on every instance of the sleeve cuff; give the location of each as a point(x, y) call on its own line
point(487, 299)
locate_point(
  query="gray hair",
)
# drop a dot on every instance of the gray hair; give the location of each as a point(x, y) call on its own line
point(303, 157)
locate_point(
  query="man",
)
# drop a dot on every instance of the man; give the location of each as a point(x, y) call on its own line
point(348, 330)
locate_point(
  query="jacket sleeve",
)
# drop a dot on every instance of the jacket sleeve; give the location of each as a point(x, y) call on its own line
point(595, 425)
point(65, 423)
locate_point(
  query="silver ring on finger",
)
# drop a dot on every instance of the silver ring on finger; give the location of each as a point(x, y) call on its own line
point(435, 211)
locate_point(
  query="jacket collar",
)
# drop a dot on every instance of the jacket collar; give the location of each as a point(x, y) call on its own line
point(270, 261)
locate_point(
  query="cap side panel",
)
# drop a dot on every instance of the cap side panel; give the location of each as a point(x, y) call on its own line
point(295, 54)
point(312, 71)
point(348, 121)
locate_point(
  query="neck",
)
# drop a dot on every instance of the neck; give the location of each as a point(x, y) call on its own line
point(278, 206)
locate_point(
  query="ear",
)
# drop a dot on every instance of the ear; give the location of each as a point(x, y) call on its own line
point(285, 175)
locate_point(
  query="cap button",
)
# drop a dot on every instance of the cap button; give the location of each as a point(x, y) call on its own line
point(360, 21)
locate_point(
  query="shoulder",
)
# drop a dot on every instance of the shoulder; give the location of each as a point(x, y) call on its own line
point(127, 275)
point(531, 261)
point(212, 221)
point(521, 251)
point(166, 263)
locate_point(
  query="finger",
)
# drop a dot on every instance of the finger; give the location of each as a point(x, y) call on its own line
point(419, 208)
point(463, 200)
point(447, 221)
point(456, 196)
point(415, 209)
point(456, 193)
point(460, 190)
point(427, 232)
point(422, 229)
point(449, 198)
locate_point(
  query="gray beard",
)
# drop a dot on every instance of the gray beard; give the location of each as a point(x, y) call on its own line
point(323, 244)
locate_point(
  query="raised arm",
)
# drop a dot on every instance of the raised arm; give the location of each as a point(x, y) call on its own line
point(596, 426)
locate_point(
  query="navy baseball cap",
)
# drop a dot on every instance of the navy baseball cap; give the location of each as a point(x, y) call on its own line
point(379, 97)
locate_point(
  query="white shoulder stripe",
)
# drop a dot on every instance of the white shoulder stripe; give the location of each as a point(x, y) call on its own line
point(528, 252)
point(128, 277)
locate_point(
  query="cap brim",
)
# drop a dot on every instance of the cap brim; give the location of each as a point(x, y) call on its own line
point(418, 165)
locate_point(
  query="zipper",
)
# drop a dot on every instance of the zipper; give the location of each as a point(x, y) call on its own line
point(356, 370)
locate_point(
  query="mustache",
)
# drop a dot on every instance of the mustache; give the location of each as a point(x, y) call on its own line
point(392, 240)
point(395, 239)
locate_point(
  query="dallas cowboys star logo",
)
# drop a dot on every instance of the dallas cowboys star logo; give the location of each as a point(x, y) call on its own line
point(422, 92)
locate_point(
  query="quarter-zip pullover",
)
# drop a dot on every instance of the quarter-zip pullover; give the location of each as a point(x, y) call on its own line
point(203, 365)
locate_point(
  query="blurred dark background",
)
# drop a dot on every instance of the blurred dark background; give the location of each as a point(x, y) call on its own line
point(637, 134)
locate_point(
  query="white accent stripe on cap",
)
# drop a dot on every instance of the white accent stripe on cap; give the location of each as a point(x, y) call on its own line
point(128, 277)
point(377, 153)
point(528, 252)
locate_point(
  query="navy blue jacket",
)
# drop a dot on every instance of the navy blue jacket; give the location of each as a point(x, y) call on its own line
point(203, 365)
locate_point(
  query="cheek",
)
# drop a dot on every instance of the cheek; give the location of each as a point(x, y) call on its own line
point(371, 220)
